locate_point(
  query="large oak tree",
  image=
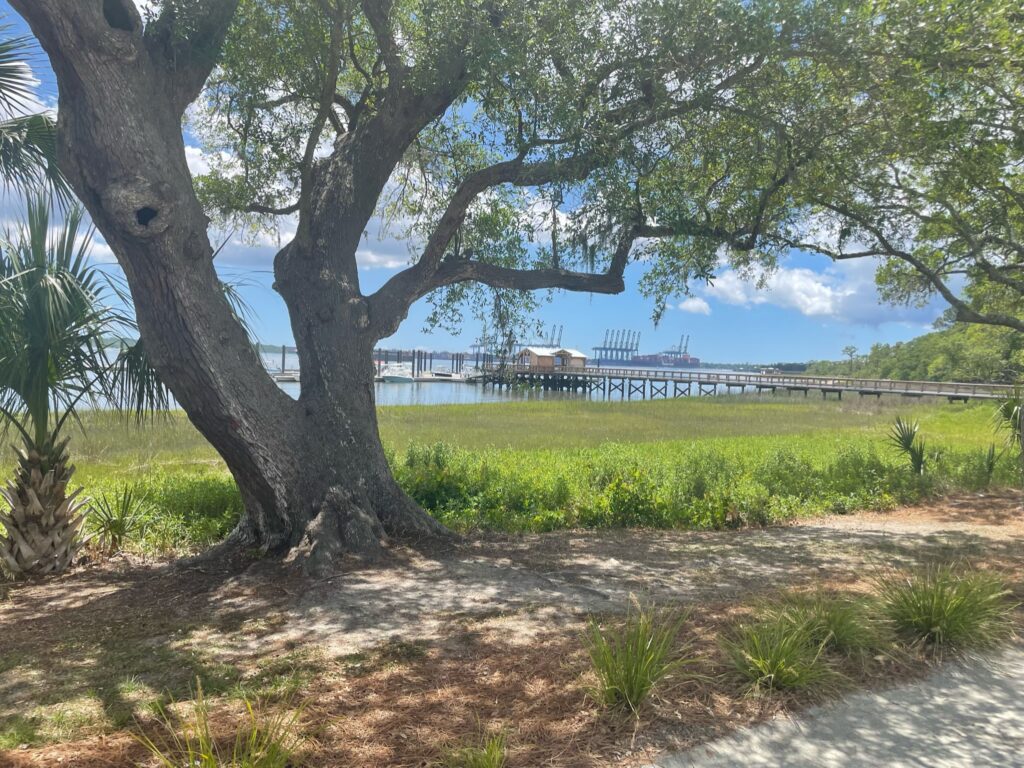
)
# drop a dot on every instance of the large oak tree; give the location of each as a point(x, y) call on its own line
point(672, 132)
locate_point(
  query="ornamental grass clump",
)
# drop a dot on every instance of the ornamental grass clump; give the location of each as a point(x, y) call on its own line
point(630, 658)
point(942, 607)
point(841, 625)
point(776, 654)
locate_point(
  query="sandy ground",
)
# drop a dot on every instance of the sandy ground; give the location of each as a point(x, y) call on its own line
point(522, 599)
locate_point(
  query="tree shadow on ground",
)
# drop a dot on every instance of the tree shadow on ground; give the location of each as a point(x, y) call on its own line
point(120, 641)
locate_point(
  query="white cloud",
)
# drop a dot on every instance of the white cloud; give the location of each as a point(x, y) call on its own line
point(843, 291)
point(100, 252)
point(197, 162)
point(694, 305)
point(382, 257)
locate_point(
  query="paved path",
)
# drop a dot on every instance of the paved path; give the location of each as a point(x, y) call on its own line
point(964, 716)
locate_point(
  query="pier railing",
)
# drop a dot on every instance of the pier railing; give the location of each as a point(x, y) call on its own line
point(950, 389)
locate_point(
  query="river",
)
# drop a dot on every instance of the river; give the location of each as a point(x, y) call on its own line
point(442, 393)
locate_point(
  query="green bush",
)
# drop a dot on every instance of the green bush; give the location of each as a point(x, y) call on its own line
point(777, 654)
point(945, 608)
point(631, 501)
point(631, 657)
point(711, 484)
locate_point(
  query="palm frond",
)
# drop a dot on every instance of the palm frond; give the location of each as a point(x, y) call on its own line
point(136, 386)
point(904, 438)
point(28, 142)
point(28, 154)
point(52, 319)
point(16, 80)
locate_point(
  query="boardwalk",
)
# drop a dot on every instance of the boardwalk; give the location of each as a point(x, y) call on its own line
point(655, 382)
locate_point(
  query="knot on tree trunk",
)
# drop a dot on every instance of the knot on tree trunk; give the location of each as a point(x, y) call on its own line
point(344, 524)
point(138, 207)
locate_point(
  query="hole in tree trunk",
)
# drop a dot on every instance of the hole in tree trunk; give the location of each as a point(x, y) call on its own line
point(145, 215)
point(118, 16)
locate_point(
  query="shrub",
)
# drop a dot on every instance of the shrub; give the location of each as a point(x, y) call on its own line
point(118, 517)
point(777, 654)
point(941, 607)
point(838, 624)
point(489, 754)
point(785, 473)
point(632, 501)
point(632, 657)
point(853, 469)
point(262, 741)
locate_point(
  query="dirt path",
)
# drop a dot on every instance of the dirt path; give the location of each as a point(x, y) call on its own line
point(82, 654)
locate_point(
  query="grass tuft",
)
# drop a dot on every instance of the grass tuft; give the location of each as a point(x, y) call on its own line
point(261, 741)
point(945, 608)
point(632, 657)
point(490, 753)
point(776, 654)
point(841, 625)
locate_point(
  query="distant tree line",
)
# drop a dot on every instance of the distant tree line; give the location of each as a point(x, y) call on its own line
point(961, 352)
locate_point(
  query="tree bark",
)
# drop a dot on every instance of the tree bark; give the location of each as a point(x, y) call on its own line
point(313, 474)
point(331, 481)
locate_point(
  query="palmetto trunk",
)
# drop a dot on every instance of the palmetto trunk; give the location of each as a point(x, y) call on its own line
point(44, 520)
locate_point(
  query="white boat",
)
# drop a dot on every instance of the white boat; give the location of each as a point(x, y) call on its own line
point(397, 373)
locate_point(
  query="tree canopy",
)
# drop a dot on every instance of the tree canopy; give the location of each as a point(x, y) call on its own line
point(558, 135)
point(963, 352)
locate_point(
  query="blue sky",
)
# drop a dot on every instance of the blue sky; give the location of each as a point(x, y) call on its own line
point(810, 309)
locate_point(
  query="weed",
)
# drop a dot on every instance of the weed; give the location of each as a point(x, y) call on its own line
point(261, 741)
point(490, 753)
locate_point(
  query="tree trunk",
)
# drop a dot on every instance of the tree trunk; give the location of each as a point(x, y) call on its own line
point(334, 492)
point(312, 473)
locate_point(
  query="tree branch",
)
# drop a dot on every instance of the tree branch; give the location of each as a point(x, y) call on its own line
point(389, 308)
point(188, 60)
point(963, 311)
point(377, 14)
point(399, 292)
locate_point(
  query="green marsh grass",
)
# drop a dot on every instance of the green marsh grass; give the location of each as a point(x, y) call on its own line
point(706, 463)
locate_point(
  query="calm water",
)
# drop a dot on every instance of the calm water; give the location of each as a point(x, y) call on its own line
point(443, 393)
point(440, 393)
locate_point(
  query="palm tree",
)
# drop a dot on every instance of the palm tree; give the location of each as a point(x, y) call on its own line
point(28, 142)
point(54, 354)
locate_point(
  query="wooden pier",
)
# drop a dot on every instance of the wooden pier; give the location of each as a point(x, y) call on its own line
point(648, 383)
